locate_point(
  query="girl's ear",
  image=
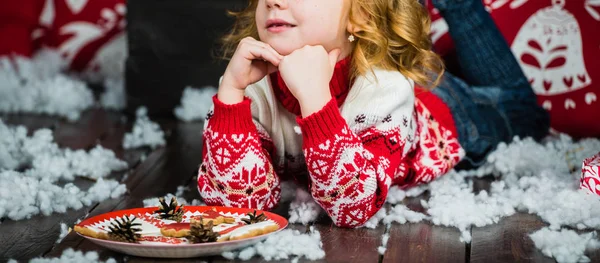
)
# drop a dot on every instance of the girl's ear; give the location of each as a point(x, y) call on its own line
point(351, 28)
point(358, 17)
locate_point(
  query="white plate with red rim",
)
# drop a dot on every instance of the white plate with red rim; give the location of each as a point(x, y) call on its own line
point(154, 244)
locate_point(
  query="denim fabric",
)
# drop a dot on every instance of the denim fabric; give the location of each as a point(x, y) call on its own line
point(486, 116)
point(495, 102)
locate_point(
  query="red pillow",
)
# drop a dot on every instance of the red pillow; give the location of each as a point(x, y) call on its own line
point(85, 32)
point(557, 44)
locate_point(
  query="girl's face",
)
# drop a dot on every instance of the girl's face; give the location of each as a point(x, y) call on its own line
point(288, 25)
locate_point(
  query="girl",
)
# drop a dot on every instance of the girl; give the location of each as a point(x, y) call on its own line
point(330, 92)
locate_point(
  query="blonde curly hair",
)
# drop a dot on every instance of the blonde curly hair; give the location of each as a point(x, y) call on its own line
point(391, 34)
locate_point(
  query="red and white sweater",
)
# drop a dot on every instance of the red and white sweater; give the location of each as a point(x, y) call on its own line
point(366, 139)
point(90, 35)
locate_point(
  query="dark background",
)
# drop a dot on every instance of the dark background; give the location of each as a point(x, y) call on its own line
point(172, 45)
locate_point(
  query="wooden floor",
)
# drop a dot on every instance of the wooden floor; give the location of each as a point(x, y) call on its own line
point(161, 171)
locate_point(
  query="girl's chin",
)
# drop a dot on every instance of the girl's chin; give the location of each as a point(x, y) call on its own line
point(284, 49)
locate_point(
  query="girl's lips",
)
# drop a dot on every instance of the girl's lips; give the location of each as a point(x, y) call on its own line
point(278, 25)
point(279, 28)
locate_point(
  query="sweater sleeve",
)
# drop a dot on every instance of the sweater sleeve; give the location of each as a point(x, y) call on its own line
point(236, 169)
point(17, 20)
point(352, 165)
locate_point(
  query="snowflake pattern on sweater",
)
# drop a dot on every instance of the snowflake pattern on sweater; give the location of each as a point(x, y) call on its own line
point(379, 137)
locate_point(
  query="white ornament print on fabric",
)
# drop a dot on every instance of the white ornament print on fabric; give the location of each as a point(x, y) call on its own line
point(590, 98)
point(76, 5)
point(85, 32)
point(495, 4)
point(589, 7)
point(48, 14)
point(549, 47)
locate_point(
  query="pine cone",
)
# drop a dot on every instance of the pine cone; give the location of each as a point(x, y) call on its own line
point(124, 230)
point(170, 211)
point(200, 233)
point(254, 219)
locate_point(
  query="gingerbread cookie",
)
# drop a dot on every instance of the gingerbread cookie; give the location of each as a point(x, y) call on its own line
point(183, 229)
point(249, 231)
point(215, 217)
point(90, 232)
point(176, 230)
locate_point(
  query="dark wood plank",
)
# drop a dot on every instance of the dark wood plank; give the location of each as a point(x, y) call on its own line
point(346, 244)
point(509, 241)
point(166, 260)
point(74, 135)
point(113, 139)
point(32, 122)
point(350, 245)
point(423, 241)
point(26, 239)
point(594, 255)
point(81, 134)
point(38, 234)
point(85, 133)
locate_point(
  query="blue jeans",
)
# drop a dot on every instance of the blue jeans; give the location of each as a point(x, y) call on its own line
point(494, 102)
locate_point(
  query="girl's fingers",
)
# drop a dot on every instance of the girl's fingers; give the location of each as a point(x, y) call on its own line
point(258, 52)
point(267, 47)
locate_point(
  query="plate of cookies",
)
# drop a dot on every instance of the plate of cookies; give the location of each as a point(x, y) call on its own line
point(171, 230)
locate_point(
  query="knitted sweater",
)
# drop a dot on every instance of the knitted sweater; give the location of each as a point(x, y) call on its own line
point(349, 154)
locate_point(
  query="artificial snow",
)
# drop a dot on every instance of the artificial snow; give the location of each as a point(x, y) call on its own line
point(23, 196)
point(42, 185)
point(453, 203)
point(402, 214)
point(373, 222)
point(195, 103)
point(114, 97)
point(285, 244)
point(395, 195)
point(37, 86)
point(303, 209)
point(384, 240)
point(416, 191)
point(72, 256)
point(11, 141)
point(64, 231)
point(40, 152)
point(565, 245)
point(541, 179)
point(144, 133)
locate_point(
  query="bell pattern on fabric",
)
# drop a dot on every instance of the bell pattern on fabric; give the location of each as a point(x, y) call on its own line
point(549, 47)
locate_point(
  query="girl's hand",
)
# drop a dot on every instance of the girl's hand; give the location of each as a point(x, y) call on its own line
point(251, 62)
point(307, 73)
